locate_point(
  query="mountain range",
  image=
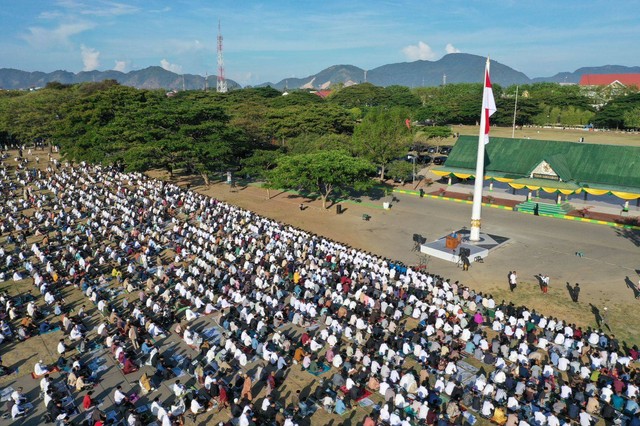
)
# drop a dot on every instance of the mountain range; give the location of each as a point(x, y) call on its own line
point(451, 68)
point(147, 78)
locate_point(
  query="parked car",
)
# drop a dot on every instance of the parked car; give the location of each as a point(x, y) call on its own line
point(445, 150)
point(424, 159)
point(432, 150)
point(439, 160)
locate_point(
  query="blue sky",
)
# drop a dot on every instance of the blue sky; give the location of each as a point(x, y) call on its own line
point(276, 39)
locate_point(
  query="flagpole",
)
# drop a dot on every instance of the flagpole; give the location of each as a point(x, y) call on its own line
point(476, 209)
point(515, 110)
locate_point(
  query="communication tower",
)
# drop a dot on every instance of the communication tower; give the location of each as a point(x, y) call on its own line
point(221, 86)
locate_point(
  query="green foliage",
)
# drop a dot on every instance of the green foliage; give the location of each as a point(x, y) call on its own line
point(296, 97)
point(401, 96)
point(401, 170)
point(382, 136)
point(324, 172)
point(632, 118)
point(309, 142)
point(260, 163)
point(360, 96)
point(452, 103)
point(296, 120)
point(613, 114)
point(206, 132)
point(432, 132)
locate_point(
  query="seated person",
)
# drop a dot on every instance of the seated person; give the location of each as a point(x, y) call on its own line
point(316, 366)
point(129, 366)
point(340, 406)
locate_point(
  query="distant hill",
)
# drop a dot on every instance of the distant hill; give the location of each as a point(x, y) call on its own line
point(457, 67)
point(147, 78)
point(574, 77)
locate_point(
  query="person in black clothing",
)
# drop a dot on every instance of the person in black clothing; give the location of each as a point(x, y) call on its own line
point(608, 413)
point(236, 408)
point(575, 293)
point(214, 390)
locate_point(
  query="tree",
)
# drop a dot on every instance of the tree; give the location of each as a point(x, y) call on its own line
point(316, 118)
point(401, 96)
point(632, 118)
point(612, 115)
point(260, 164)
point(359, 96)
point(308, 143)
point(382, 136)
point(400, 170)
point(323, 172)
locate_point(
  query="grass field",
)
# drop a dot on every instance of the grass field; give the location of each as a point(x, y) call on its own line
point(557, 134)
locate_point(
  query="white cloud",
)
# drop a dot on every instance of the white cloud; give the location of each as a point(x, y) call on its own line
point(43, 37)
point(450, 48)
point(90, 58)
point(171, 67)
point(420, 51)
point(120, 66)
point(104, 8)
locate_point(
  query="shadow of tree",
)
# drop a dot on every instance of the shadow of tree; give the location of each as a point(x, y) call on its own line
point(632, 235)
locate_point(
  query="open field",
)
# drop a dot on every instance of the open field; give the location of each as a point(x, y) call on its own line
point(556, 134)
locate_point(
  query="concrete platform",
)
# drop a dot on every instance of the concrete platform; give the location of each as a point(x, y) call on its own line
point(479, 250)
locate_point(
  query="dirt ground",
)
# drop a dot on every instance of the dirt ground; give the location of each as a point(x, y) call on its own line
point(372, 236)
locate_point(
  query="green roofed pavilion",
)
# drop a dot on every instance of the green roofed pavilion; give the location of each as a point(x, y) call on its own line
point(565, 167)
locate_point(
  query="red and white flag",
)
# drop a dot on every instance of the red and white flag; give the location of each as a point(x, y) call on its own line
point(488, 104)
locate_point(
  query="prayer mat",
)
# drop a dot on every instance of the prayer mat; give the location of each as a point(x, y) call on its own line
point(366, 402)
point(325, 368)
point(365, 395)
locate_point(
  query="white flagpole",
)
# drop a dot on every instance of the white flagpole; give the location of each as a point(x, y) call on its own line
point(476, 209)
point(515, 110)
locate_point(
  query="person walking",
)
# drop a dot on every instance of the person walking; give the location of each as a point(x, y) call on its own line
point(576, 293)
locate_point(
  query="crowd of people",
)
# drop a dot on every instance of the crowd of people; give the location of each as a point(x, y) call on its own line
point(254, 299)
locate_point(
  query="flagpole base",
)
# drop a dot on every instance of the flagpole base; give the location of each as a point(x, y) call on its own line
point(475, 230)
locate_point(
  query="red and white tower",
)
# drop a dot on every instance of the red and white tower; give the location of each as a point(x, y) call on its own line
point(221, 86)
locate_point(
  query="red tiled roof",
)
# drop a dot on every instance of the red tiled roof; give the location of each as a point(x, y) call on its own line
point(323, 93)
point(606, 79)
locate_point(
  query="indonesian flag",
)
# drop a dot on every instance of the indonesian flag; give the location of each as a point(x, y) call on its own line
point(488, 104)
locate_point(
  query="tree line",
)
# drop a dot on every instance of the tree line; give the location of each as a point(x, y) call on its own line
point(355, 133)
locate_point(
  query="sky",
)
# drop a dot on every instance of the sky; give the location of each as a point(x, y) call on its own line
point(270, 40)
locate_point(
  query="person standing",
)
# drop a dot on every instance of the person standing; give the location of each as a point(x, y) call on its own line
point(246, 388)
point(544, 279)
point(576, 293)
point(513, 280)
point(605, 317)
